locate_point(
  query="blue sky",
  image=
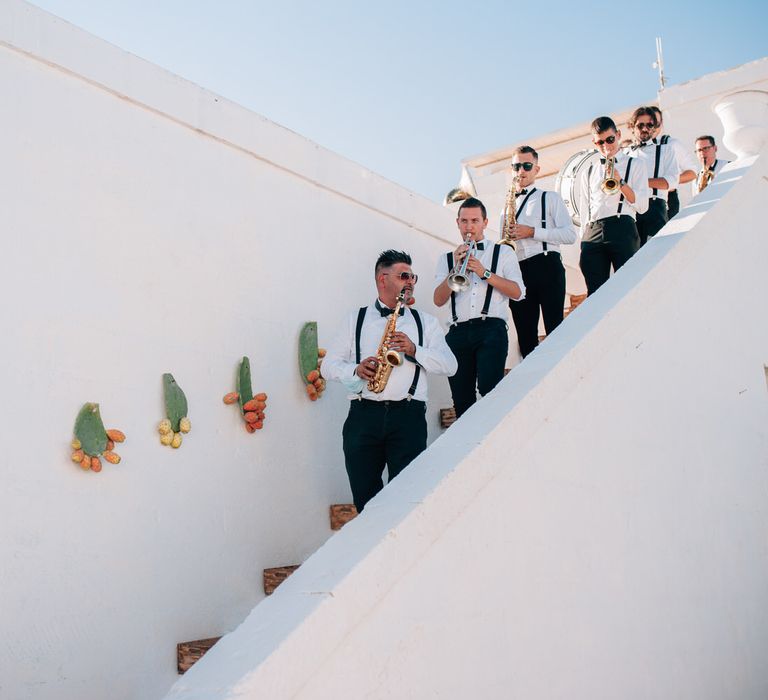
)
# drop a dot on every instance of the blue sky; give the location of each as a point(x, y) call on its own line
point(408, 89)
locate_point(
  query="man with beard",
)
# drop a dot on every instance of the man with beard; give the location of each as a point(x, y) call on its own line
point(386, 427)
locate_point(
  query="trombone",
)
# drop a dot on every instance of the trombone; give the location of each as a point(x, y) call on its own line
point(458, 279)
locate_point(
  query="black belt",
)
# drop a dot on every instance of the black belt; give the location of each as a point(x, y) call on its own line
point(389, 403)
point(478, 320)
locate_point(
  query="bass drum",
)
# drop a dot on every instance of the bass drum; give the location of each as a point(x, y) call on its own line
point(571, 181)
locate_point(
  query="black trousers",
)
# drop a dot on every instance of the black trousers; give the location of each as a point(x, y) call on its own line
point(379, 433)
point(673, 204)
point(544, 278)
point(480, 348)
point(607, 243)
point(650, 223)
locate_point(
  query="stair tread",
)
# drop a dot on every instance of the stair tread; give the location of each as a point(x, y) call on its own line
point(341, 514)
point(189, 653)
point(275, 576)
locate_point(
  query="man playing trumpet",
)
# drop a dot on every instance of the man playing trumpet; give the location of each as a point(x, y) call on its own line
point(478, 333)
point(616, 191)
point(542, 225)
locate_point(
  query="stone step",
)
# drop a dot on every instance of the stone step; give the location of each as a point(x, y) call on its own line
point(447, 417)
point(576, 299)
point(189, 653)
point(341, 514)
point(274, 577)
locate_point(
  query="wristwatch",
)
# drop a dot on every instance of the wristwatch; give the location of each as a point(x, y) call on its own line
point(487, 275)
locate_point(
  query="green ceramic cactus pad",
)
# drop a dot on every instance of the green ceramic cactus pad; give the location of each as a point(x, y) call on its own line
point(307, 349)
point(175, 402)
point(244, 382)
point(89, 429)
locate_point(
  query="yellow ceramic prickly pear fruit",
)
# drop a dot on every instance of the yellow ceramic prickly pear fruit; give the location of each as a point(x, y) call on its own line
point(166, 438)
point(176, 442)
point(164, 427)
point(77, 455)
point(185, 425)
point(76, 445)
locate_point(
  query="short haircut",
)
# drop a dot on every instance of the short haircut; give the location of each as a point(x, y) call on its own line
point(656, 110)
point(391, 257)
point(642, 112)
point(527, 149)
point(602, 124)
point(472, 203)
point(711, 139)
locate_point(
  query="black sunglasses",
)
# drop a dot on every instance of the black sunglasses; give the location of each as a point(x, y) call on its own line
point(522, 166)
point(608, 139)
point(645, 125)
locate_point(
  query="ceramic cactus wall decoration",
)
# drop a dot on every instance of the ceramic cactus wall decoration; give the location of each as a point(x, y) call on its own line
point(92, 441)
point(310, 359)
point(176, 421)
point(252, 407)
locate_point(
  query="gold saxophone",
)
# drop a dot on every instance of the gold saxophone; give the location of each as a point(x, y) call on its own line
point(705, 177)
point(510, 217)
point(387, 359)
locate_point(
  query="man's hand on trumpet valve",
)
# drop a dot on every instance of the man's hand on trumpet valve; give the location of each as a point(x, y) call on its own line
point(474, 265)
point(460, 253)
point(521, 231)
point(367, 368)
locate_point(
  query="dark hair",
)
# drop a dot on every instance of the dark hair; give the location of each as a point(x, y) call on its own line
point(711, 139)
point(473, 203)
point(640, 112)
point(602, 124)
point(527, 149)
point(391, 257)
point(657, 111)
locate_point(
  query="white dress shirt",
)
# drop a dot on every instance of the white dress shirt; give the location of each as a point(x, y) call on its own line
point(685, 159)
point(434, 356)
point(668, 167)
point(469, 304)
point(716, 167)
point(559, 229)
point(600, 205)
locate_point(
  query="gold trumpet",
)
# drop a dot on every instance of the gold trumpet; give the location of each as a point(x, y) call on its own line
point(611, 184)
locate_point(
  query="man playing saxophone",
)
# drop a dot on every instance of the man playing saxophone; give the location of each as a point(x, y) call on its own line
point(386, 424)
point(542, 224)
point(478, 334)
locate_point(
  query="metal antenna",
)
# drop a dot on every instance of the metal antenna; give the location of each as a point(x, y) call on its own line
point(659, 64)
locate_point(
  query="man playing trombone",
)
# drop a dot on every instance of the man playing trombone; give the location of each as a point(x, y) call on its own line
point(477, 278)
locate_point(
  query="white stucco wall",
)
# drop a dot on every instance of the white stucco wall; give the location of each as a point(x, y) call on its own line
point(151, 226)
point(594, 528)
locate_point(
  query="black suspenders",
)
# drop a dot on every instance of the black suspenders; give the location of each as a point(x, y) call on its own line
point(626, 178)
point(420, 330)
point(489, 291)
point(544, 216)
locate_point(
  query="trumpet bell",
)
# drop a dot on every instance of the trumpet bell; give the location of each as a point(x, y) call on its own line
point(458, 282)
point(610, 185)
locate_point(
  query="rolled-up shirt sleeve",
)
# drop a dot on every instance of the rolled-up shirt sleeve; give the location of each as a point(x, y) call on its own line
point(434, 355)
point(638, 181)
point(562, 231)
